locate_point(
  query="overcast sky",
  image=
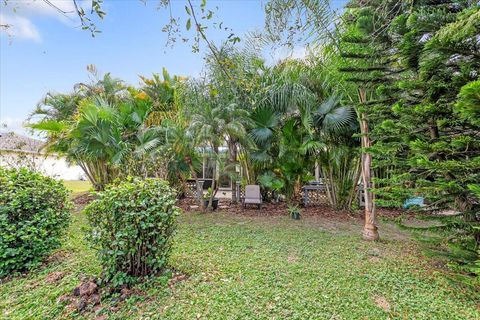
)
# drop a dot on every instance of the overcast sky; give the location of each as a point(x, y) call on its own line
point(47, 51)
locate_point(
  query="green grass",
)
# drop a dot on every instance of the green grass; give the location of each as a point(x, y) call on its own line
point(260, 268)
point(77, 186)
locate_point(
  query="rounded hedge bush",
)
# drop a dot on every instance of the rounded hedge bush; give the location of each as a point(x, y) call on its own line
point(131, 226)
point(34, 213)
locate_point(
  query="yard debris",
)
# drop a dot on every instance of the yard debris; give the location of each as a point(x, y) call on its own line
point(280, 209)
point(86, 295)
point(86, 289)
point(176, 277)
point(54, 276)
point(381, 302)
point(274, 209)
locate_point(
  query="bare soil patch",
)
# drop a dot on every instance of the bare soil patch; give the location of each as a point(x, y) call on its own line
point(54, 276)
point(381, 302)
point(83, 199)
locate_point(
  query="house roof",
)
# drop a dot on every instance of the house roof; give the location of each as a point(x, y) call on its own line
point(10, 141)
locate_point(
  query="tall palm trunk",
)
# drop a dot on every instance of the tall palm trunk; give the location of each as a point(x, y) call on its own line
point(370, 231)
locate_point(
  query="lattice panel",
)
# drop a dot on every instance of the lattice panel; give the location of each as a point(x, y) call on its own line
point(313, 197)
point(190, 190)
point(242, 193)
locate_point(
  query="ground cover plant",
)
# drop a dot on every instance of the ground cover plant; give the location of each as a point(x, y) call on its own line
point(255, 268)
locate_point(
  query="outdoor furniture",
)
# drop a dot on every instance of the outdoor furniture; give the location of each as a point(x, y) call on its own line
point(252, 195)
point(416, 201)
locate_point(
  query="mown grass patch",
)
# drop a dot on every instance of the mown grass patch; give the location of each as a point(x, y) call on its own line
point(259, 268)
point(77, 186)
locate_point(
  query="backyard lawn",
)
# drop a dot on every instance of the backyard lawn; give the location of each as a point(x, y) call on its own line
point(77, 186)
point(239, 267)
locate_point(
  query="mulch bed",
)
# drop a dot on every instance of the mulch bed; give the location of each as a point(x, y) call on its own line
point(280, 209)
point(83, 199)
point(267, 209)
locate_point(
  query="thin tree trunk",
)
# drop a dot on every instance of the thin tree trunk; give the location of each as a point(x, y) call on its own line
point(87, 172)
point(334, 188)
point(232, 148)
point(327, 185)
point(370, 230)
point(245, 164)
point(214, 179)
point(356, 177)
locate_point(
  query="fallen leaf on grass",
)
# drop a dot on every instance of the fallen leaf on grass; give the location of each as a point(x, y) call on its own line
point(381, 302)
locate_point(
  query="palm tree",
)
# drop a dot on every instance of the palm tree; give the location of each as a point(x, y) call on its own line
point(56, 106)
point(215, 125)
point(106, 87)
point(102, 138)
point(338, 158)
point(300, 121)
point(163, 91)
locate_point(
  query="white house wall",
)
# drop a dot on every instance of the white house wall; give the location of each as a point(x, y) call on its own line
point(50, 165)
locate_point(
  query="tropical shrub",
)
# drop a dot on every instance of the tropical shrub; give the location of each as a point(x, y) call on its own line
point(131, 224)
point(269, 182)
point(294, 212)
point(34, 213)
point(111, 130)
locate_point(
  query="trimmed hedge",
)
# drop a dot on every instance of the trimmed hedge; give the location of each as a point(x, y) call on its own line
point(131, 226)
point(34, 213)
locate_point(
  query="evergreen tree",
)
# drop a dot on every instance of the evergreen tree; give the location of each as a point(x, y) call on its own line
point(433, 133)
point(367, 65)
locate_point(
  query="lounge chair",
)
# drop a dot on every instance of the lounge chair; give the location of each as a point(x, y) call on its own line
point(252, 195)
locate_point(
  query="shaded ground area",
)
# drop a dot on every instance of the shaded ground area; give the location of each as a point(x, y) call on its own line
point(280, 209)
point(233, 266)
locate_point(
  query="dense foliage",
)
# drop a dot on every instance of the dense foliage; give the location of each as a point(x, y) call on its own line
point(411, 71)
point(111, 130)
point(131, 225)
point(430, 131)
point(34, 213)
point(386, 102)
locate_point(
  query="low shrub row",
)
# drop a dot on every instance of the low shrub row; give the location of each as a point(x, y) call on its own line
point(131, 224)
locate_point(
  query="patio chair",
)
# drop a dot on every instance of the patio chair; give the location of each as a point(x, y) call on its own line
point(252, 195)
